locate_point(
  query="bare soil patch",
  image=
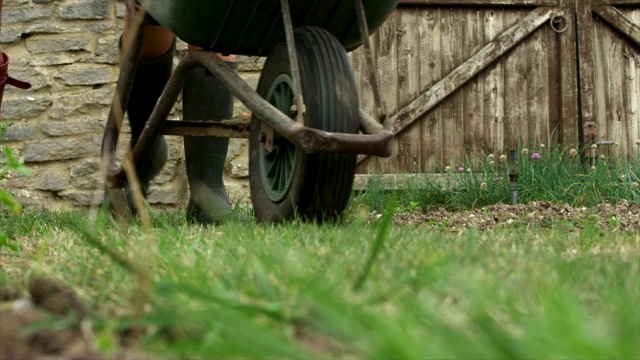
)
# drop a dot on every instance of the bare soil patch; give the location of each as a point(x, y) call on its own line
point(622, 216)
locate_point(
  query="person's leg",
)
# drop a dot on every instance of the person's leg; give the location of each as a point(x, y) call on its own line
point(206, 98)
point(151, 75)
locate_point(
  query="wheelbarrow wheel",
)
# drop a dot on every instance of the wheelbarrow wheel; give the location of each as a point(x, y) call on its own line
point(286, 182)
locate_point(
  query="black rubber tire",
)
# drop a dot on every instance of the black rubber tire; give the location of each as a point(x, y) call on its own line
point(321, 184)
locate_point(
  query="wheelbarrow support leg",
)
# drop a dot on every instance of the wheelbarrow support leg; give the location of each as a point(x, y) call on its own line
point(371, 63)
point(299, 108)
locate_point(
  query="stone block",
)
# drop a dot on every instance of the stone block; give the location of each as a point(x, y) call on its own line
point(10, 34)
point(23, 108)
point(49, 43)
point(170, 195)
point(238, 168)
point(24, 13)
point(108, 46)
point(250, 63)
point(82, 197)
point(50, 178)
point(168, 172)
point(62, 149)
point(37, 79)
point(84, 10)
point(30, 198)
point(20, 132)
point(86, 102)
point(9, 3)
point(121, 9)
point(71, 128)
point(52, 27)
point(86, 175)
point(51, 59)
point(85, 74)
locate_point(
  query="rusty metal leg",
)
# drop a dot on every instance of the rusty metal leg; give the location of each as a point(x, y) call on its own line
point(293, 62)
point(155, 124)
point(114, 124)
point(371, 63)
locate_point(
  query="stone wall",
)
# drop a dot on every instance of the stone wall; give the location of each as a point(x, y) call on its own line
point(68, 50)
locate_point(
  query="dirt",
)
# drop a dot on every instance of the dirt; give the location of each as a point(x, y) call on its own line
point(50, 302)
point(49, 323)
point(623, 216)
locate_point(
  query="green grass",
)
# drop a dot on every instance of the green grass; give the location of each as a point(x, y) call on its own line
point(361, 288)
point(557, 176)
point(358, 289)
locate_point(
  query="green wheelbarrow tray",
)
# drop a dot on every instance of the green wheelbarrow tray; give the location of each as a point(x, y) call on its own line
point(254, 27)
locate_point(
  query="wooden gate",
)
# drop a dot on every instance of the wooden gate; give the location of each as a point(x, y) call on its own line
point(468, 77)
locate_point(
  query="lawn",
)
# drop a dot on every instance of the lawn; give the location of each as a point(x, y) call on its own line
point(364, 288)
point(436, 270)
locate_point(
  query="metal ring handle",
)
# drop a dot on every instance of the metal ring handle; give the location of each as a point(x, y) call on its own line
point(558, 20)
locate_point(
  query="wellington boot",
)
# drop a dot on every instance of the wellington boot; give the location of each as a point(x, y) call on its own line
point(206, 98)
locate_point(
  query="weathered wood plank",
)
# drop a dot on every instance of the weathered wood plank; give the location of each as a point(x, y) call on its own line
point(615, 2)
point(430, 72)
point(517, 79)
point(493, 81)
point(551, 41)
point(538, 90)
point(409, 142)
point(632, 92)
point(473, 90)
point(632, 97)
point(470, 68)
point(388, 70)
point(450, 132)
point(569, 111)
point(600, 81)
point(475, 3)
point(616, 118)
point(584, 19)
point(619, 21)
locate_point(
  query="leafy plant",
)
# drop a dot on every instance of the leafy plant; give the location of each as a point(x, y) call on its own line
point(10, 163)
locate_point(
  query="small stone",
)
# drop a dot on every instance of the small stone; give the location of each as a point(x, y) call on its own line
point(84, 10)
point(61, 149)
point(23, 108)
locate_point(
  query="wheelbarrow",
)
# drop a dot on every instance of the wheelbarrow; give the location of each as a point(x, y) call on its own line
point(305, 129)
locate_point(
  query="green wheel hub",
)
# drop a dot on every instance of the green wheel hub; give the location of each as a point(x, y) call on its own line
point(278, 166)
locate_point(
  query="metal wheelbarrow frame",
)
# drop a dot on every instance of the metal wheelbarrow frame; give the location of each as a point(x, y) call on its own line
point(374, 139)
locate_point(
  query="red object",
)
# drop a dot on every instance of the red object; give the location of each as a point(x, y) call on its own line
point(6, 79)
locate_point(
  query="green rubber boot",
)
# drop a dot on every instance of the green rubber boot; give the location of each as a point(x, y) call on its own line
point(206, 98)
point(151, 76)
